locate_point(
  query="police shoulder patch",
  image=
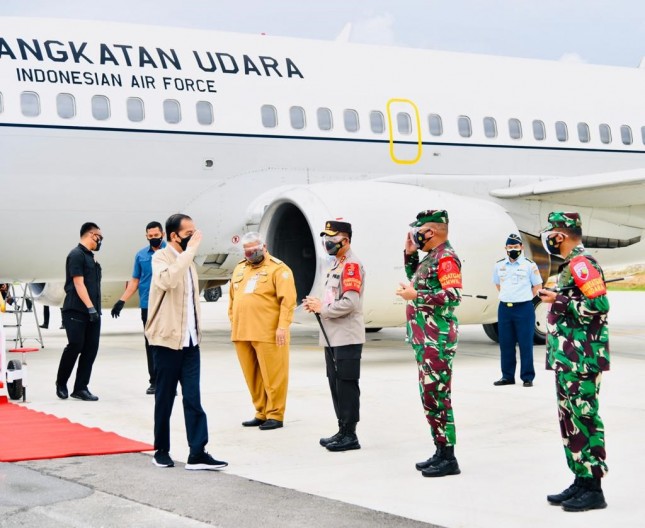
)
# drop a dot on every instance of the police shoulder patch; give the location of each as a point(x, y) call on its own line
point(351, 279)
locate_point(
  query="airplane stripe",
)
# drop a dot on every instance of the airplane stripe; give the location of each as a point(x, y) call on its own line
point(316, 138)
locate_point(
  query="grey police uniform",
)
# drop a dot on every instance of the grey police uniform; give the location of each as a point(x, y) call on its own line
point(342, 318)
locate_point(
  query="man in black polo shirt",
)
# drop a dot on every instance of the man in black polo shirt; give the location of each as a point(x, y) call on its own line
point(81, 314)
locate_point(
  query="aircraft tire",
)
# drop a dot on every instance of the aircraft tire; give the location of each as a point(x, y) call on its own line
point(539, 334)
point(15, 388)
point(491, 331)
point(373, 330)
point(213, 294)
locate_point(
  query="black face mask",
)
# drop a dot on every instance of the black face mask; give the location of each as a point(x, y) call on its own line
point(332, 247)
point(420, 239)
point(184, 242)
point(514, 253)
point(155, 242)
point(550, 245)
point(98, 244)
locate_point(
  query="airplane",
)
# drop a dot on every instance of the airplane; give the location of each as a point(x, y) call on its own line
point(121, 124)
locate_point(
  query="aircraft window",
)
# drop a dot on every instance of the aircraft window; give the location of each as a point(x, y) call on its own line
point(435, 124)
point(642, 128)
point(561, 131)
point(464, 126)
point(515, 128)
point(65, 105)
point(134, 107)
point(377, 122)
point(626, 135)
point(269, 116)
point(325, 121)
point(583, 133)
point(30, 104)
point(1, 106)
point(297, 117)
point(100, 107)
point(404, 123)
point(605, 133)
point(171, 111)
point(351, 120)
point(490, 127)
point(539, 130)
point(204, 113)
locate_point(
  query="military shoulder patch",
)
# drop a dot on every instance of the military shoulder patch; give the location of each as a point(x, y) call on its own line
point(351, 279)
point(586, 277)
point(449, 273)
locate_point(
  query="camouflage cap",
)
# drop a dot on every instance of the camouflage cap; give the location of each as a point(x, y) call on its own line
point(438, 216)
point(561, 219)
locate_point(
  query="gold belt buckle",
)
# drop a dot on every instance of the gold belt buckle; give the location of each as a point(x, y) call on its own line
point(510, 305)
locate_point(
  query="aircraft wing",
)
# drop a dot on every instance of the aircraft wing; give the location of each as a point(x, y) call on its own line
point(604, 190)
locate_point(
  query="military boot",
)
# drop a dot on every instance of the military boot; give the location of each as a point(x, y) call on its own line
point(347, 441)
point(326, 441)
point(430, 462)
point(567, 494)
point(589, 498)
point(446, 464)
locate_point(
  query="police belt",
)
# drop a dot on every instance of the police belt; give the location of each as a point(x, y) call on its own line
point(514, 304)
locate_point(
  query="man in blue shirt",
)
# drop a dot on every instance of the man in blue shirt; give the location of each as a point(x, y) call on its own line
point(518, 281)
point(141, 279)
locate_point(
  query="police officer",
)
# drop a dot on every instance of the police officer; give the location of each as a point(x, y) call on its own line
point(433, 293)
point(518, 280)
point(578, 351)
point(262, 301)
point(341, 312)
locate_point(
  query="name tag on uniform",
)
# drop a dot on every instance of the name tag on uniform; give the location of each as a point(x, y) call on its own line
point(250, 285)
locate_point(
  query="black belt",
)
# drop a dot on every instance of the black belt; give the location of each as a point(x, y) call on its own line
point(511, 304)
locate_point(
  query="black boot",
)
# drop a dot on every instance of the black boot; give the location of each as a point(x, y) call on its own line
point(589, 498)
point(430, 462)
point(347, 441)
point(567, 494)
point(446, 464)
point(326, 441)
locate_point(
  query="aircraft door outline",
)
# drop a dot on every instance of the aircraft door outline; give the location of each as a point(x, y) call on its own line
point(401, 153)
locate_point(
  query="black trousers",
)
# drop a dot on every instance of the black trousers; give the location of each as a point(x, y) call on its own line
point(343, 372)
point(83, 343)
point(149, 357)
point(172, 367)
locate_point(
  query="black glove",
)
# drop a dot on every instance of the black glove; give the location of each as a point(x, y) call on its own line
point(116, 309)
point(94, 315)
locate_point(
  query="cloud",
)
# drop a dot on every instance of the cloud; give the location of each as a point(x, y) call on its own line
point(377, 29)
point(572, 57)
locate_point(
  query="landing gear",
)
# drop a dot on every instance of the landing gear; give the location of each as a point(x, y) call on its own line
point(213, 294)
point(14, 388)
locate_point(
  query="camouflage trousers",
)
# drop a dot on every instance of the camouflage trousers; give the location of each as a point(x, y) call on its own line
point(435, 379)
point(583, 433)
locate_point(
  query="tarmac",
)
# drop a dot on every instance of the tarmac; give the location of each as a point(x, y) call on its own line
point(509, 446)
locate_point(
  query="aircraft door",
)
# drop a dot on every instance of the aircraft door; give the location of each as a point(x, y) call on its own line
point(404, 127)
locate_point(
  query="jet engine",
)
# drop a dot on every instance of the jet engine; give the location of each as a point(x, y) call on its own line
point(292, 217)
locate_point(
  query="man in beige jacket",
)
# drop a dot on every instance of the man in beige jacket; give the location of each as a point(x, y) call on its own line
point(174, 332)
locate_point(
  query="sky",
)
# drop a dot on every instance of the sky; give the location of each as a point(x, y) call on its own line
point(593, 31)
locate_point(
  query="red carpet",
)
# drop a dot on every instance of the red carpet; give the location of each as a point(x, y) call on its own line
point(31, 435)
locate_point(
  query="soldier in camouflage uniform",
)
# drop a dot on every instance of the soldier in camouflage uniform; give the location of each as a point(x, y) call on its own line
point(578, 351)
point(433, 294)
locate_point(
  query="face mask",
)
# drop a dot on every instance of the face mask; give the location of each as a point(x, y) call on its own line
point(155, 242)
point(184, 242)
point(549, 242)
point(333, 246)
point(98, 244)
point(419, 239)
point(514, 253)
point(255, 256)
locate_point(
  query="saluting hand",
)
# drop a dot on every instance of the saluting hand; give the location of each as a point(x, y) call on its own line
point(196, 239)
point(410, 247)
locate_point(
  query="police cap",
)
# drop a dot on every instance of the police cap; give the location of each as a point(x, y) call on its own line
point(333, 227)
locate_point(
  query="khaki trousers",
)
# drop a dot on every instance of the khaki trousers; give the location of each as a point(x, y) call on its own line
point(266, 371)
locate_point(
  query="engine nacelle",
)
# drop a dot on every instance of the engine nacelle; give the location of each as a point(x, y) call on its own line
point(380, 214)
point(53, 294)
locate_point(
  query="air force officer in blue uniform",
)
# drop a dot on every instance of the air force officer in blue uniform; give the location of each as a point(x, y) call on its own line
point(518, 280)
